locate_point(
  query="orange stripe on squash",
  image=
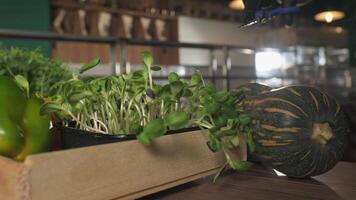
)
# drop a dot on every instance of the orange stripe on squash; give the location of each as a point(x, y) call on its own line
point(257, 102)
point(277, 129)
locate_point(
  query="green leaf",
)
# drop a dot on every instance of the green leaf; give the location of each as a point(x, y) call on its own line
point(221, 120)
point(165, 91)
point(137, 75)
point(144, 139)
point(172, 77)
point(187, 92)
point(240, 165)
point(244, 119)
point(214, 144)
point(218, 174)
point(152, 130)
point(225, 132)
point(49, 108)
point(231, 123)
point(23, 84)
point(135, 127)
point(210, 88)
point(147, 59)
point(221, 97)
point(176, 120)
point(156, 89)
point(235, 141)
point(177, 89)
point(91, 64)
point(229, 110)
point(196, 80)
point(212, 108)
point(77, 96)
point(42, 72)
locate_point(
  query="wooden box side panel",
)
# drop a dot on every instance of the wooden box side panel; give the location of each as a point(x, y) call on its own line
point(123, 170)
point(14, 182)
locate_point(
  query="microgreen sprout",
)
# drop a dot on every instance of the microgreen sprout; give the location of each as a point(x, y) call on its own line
point(133, 104)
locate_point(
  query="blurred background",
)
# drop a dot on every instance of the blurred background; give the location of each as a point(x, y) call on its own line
point(187, 35)
point(190, 35)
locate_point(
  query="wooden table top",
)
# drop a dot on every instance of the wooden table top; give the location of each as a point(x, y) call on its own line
point(263, 184)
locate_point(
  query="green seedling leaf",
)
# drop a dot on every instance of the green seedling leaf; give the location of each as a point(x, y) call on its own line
point(212, 108)
point(250, 144)
point(79, 106)
point(221, 120)
point(223, 133)
point(138, 89)
point(135, 127)
point(152, 130)
point(156, 68)
point(228, 144)
point(77, 96)
point(177, 88)
point(214, 143)
point(210, 88)
point(196, 80)
point(229, 111)
point(221, 97)
point(23, 84)
point(240, 165)
point(187, 92)
point(235, 141)
point(218, 174)
point(176, 120)
point(147, 59)
point(244, 119)
point(173, 77)
point(205, 99)
point(156, 89)
point(87, 66)
point(231, 123)
point(137, 75)
point(144, 139)
point(49, 108)
point(165, 91)
point(200, 113)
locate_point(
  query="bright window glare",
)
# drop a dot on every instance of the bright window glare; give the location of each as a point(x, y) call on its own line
point(268, 63)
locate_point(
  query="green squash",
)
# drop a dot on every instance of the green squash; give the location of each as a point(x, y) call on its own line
point(298, 130)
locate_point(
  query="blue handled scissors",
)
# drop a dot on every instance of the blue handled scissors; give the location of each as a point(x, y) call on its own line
point(263, 11)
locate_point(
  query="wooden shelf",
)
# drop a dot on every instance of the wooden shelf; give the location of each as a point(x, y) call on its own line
point(99, 8)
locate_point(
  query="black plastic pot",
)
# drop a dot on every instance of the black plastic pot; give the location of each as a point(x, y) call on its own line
point(76, 138)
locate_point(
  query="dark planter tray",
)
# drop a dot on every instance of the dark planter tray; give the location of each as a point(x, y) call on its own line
point(76, 138)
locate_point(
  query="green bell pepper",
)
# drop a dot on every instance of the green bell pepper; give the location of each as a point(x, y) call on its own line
point(23, 131)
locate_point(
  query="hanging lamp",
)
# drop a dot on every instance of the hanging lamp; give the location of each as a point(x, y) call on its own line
point(237, 5)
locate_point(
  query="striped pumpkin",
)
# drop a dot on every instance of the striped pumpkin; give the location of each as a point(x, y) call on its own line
point(298, 130)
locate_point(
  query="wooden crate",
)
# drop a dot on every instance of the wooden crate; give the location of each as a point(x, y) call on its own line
point(124, 170)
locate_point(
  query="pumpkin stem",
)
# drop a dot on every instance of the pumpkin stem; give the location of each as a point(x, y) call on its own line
point(322, 133)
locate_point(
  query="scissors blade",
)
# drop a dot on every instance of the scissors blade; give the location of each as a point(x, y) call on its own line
point(249, 24)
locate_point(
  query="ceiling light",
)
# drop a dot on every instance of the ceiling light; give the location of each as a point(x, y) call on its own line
point(329, 16)
point(237, 5)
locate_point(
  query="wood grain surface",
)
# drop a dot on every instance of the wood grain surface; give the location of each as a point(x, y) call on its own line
point(124, 170)
point(263, 184)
